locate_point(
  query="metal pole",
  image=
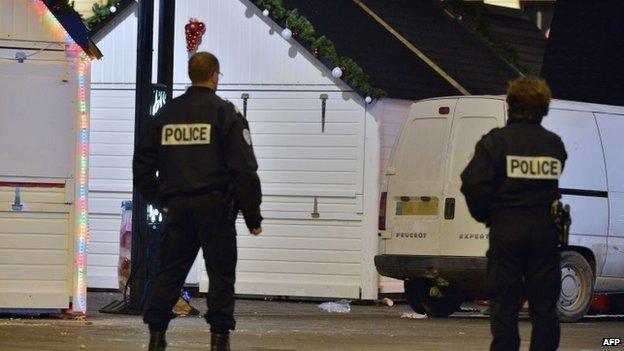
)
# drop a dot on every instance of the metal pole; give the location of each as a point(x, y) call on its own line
point(142, 105)
point(166, 31)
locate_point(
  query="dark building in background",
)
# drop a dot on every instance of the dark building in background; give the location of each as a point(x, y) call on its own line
point(585, 52)
point(539, 12)
point(520, 34)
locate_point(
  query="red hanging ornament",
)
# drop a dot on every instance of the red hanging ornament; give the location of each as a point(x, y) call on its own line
point(194, 31)
point(316, 53)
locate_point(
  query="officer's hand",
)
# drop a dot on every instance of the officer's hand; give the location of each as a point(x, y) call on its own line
point(256, 231)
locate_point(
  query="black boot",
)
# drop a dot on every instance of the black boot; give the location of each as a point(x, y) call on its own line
point(157, 341)
point(220, 342)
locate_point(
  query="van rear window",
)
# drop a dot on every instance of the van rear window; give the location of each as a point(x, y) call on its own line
point(417, 206)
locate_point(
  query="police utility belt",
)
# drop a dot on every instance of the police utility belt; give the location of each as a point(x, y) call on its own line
point(560, 214)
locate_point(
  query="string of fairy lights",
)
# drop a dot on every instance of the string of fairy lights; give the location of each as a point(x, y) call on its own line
point(82, 227)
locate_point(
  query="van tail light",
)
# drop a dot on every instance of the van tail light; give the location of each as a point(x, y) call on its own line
point(383, 202)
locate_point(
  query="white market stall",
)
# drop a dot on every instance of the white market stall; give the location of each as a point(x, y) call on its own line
point(44, 134)
point(321, 145)
point(300, 254)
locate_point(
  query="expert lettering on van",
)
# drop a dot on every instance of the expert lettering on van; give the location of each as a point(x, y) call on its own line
point(421, 194)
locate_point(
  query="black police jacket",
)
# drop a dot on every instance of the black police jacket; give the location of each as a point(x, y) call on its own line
point(517, 166)
point(199, 144)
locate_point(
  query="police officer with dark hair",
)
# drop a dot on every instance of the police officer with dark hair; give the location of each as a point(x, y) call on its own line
point(201, 147)
point(510, 185)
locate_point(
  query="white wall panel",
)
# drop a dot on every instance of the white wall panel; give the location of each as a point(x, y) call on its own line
point(35, 251)
point(299, 258)
point(20, 19)
point(390, 114)
point(118, 45)
point(248, 45)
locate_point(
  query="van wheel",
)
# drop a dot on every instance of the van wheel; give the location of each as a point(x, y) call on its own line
point(577, 287)
point(417, 294)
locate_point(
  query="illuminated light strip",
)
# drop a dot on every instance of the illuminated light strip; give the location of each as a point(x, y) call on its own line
point(82, 232)
point(83, 208)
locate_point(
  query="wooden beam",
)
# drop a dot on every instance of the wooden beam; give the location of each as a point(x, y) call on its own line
point(413, 48)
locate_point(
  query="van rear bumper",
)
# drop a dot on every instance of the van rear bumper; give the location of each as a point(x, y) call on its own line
point(455, 269)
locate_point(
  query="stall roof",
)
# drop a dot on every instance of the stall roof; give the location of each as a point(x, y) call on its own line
point(73, 25)
point(518, 32)
point(445, 39)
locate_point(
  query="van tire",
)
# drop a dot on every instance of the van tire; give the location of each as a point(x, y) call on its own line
point(577, 287)
point(417, 295)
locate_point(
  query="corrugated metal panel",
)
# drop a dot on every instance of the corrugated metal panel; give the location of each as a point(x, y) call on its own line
point(20, 20)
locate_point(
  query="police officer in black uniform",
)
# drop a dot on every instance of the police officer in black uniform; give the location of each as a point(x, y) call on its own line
point(201, 147)
point(510, 185)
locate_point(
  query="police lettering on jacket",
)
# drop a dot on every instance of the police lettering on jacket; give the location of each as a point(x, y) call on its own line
point(533, 167)
point(186, 134)
point(517, 166)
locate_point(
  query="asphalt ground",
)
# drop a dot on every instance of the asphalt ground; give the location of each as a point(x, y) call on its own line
point(279, 325)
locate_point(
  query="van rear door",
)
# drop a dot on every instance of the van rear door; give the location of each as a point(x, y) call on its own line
point(415, 179)
point(460, 234)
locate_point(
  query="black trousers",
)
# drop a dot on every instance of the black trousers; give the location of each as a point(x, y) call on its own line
point(523, 262)
point(194, 222)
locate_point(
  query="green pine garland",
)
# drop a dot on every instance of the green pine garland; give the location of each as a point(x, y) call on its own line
point(304, 30)
point(100, 13)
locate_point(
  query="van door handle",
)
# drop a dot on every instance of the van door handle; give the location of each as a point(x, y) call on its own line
point(449, 208)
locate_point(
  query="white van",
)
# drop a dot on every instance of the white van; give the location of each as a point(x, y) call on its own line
point(429, 239)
